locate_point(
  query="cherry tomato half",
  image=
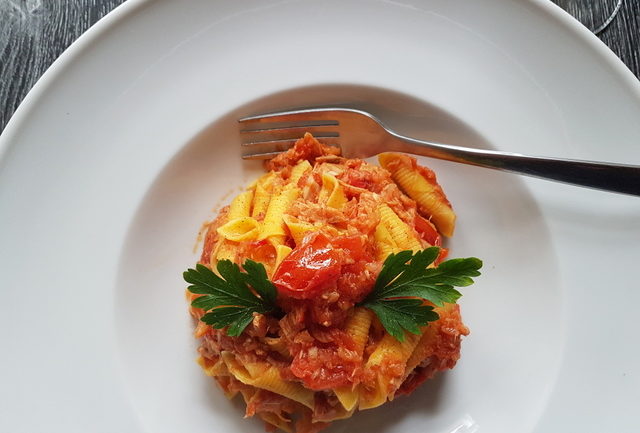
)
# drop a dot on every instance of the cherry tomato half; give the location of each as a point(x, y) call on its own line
point(309, 268)
point(429, 233)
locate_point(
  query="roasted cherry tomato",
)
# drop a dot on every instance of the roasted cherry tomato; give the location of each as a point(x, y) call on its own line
point(309, 268)
point(258, 251)
point(429, 233)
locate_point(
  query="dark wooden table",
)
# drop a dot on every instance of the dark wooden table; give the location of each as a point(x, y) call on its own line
point(33, 33)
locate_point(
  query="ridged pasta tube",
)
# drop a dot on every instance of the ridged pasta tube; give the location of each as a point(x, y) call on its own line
point(265, 376)
point(389, 350)
point(401, 233)
point(357, 328)
point(384, 242)
point(427, 343)
point(431, 201)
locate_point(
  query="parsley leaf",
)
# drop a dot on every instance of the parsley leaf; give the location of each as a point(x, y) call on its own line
point(406, 281)
point(398, 315)
point(233, 297)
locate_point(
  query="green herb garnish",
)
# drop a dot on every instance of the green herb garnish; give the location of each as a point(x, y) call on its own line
point(233, 297)
point(405, 282)
point(402, 286)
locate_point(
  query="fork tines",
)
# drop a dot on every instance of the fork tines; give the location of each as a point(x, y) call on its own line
point(265, 136)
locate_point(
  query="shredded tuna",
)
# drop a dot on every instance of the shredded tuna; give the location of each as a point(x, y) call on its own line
point(307, 342)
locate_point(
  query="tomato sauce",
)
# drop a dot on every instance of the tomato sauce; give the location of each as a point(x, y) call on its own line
point(318, 284)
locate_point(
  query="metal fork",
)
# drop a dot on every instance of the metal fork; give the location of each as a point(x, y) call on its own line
point(361, 135)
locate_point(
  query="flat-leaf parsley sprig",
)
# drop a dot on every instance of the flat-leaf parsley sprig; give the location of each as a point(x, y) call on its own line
point(406, 281)
point(398, 298)
point(233, 297)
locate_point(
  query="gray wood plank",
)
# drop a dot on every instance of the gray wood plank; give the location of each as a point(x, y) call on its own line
point(33, 33)
point(622, 35)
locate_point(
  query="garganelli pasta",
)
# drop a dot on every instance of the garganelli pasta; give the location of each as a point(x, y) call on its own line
point(323, 356)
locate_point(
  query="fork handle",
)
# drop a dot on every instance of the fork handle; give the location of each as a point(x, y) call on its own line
point(599, 175)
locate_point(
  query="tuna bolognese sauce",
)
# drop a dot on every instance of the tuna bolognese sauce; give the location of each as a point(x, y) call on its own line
point(324, 287)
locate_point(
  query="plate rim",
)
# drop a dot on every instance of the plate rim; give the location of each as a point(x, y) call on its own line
point(77, 49)
point(123, 11)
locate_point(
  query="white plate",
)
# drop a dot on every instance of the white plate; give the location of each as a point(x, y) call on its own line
point(129, 141)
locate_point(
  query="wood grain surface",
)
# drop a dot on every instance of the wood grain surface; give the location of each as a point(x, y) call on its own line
point(33, 33)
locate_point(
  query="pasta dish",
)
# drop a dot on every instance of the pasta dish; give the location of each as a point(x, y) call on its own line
point(293, 327)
